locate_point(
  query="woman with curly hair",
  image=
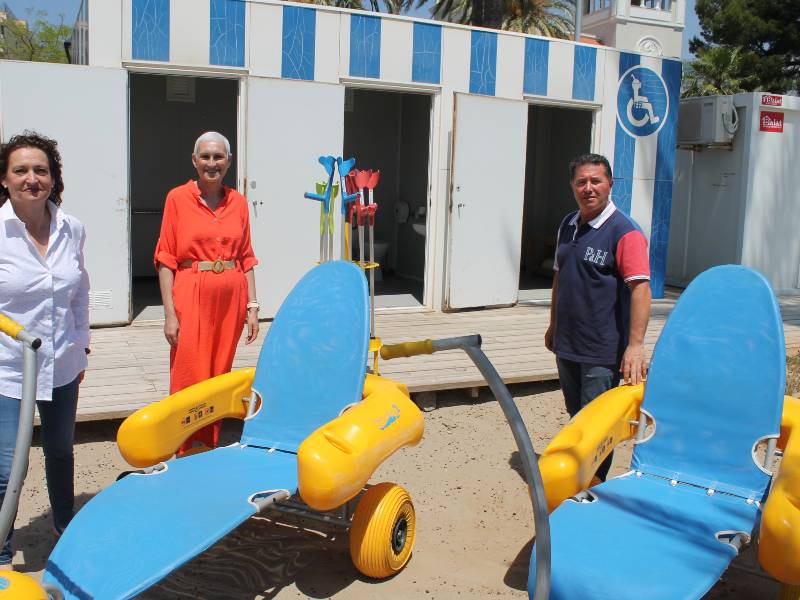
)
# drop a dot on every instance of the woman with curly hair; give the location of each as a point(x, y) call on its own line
point(44, 287)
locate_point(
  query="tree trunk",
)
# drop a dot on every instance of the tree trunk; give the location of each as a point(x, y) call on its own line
point(487, 13)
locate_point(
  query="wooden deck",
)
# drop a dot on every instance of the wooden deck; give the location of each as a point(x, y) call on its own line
point(128, 367)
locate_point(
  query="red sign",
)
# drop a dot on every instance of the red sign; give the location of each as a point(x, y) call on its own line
point(771, 121)
point(771, 100)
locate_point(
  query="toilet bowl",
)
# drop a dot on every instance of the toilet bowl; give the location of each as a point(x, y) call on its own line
point(381, 250)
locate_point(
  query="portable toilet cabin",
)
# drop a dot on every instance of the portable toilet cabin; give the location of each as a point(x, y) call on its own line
point(472, 130)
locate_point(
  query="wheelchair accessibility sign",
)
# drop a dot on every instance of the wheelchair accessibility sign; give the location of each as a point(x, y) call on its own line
point(642, 101)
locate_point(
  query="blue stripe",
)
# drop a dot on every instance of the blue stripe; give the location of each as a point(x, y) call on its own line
point(624, 149)
point(537, 55)
point(584, 68)
point(365, 46)
point(227, 33)
point(483, 63)
point(150, 31)
point(665, 167)
point(299, 35)
point(426, 59)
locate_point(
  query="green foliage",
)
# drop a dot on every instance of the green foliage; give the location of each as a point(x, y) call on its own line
point(551, 18)
point(715, 72)
point(40, 41)
point(767, 34)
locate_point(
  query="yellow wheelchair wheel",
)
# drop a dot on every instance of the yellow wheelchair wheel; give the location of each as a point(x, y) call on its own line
point(383, 531)
point(18, 586)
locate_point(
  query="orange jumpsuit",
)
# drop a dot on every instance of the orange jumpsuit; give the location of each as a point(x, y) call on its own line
point(211, 307)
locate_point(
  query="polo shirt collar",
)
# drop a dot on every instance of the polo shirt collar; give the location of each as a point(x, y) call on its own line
point(598, 221)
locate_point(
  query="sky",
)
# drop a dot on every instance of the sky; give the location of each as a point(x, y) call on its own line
point(69, 8)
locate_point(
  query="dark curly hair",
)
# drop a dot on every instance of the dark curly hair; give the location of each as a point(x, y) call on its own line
point(31, 139)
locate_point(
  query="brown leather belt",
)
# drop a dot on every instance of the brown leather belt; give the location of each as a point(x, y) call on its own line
point(215, 266)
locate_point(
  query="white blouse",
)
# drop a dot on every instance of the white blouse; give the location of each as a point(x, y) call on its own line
point(49, 296)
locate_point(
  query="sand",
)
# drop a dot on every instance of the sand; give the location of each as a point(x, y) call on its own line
point(474, 519)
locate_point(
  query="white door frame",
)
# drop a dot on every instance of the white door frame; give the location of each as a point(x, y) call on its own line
point(594, 146)
point(434, 92)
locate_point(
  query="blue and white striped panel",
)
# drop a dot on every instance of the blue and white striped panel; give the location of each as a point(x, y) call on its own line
point(227, 33)
point(299, 36)
point(537, 54)
point(483, 63)
point(426, 63)
point(365, 46)
point(584, 72)
point(624, 149)
point(150, 30)
point(665, 166)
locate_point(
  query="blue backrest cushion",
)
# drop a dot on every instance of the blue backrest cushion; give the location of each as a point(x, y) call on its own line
point(313, 361)
point(716, 383)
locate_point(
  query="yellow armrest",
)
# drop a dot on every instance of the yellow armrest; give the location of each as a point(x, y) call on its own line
point(779, 543)
point(336, 461)
point(571, 459)
point(153, 433)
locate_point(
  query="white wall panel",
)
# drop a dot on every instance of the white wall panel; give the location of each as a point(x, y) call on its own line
point(560, 68)
point(90, 122)
point(326, 47)
point(127, 30)
point(642, 204)
point(344, 45)
point(266, 20)
point(105, 44)
point(455, 59)
point(189, 32)
point(607, 119)
point(510, 66)
point(397, 41)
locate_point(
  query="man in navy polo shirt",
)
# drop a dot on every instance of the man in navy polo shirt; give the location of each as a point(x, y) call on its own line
point(601, 292)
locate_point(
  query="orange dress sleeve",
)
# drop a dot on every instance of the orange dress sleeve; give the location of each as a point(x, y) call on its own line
point(247, 257)
point(167, 247)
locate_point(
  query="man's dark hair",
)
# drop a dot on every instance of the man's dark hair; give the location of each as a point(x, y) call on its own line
point(589, 159)
point(31, 139)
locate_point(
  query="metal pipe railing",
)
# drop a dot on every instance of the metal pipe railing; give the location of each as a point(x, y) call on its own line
point(19, 464)
point(471, 344)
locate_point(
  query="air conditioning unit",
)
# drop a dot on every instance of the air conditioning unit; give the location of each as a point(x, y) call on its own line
point(707, 121)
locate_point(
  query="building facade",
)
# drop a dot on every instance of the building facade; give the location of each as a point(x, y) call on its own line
point(471, 128)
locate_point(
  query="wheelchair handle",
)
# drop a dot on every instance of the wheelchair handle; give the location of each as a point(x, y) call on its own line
point(471, 344)
point(19, 464)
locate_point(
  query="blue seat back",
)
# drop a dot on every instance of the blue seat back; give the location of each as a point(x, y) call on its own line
point(313, 360)
point(716, 383)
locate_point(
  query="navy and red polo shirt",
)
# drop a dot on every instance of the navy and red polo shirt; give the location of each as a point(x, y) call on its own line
point(595, 260)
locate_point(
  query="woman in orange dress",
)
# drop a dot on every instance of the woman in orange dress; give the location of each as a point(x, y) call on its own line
point(205, 266)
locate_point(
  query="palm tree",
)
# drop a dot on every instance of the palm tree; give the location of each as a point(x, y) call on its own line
point(552, 18)
point(394, 7)
point(549, 18)
point(716, 71)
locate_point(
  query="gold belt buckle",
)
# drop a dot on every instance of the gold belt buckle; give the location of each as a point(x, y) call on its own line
point(218, 266)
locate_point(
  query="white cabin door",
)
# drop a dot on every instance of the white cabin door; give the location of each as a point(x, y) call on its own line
point(486, 201)
point(290, 124)
point(85, 109)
